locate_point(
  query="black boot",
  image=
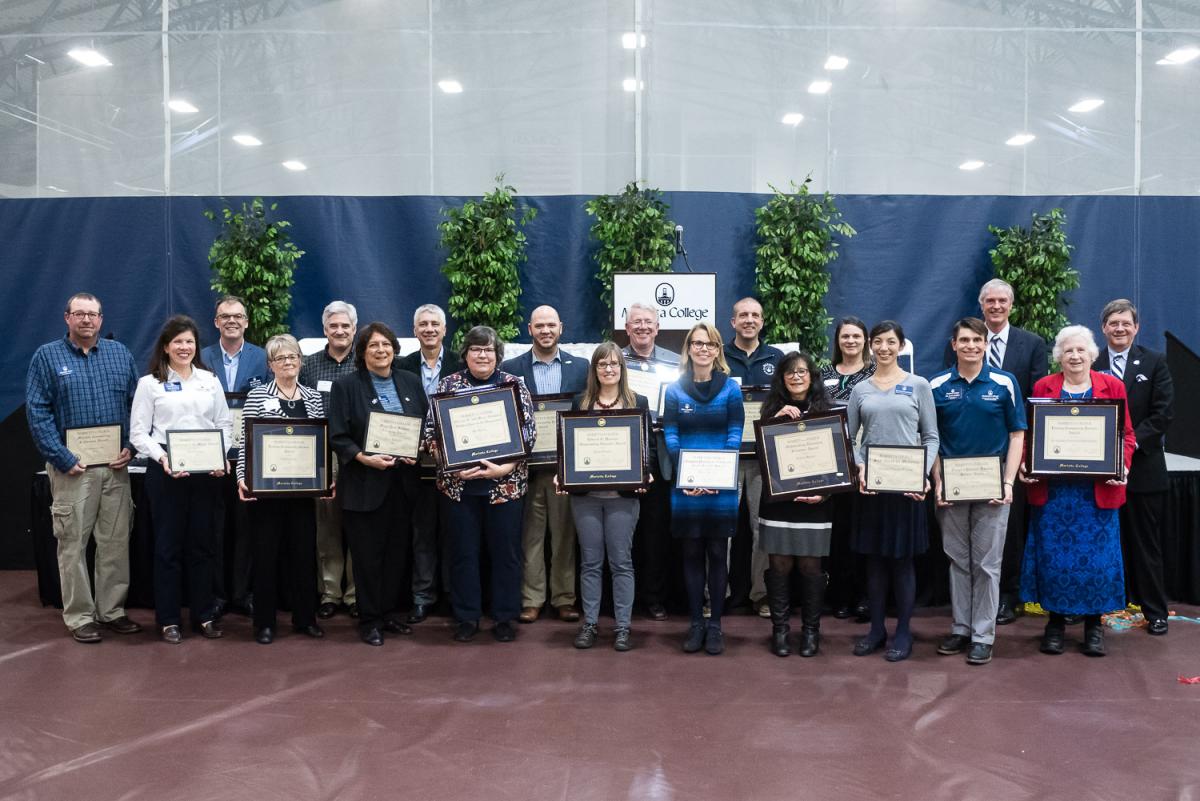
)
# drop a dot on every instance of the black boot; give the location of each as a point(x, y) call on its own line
point(813, 596)
point(780, 602)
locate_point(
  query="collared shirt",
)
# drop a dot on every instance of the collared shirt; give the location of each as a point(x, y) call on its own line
point(320, 370)
point(231, 364)
point(660, 356)
point(197, 402)
point(1002, 341)
point(547, 376)
point(1112, 356)
point(66, 388)
point(430, 375)
point(754, 369)
point(976, 417)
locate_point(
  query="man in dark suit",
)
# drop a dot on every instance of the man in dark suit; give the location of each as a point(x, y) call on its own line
point(1151, 395)
point(1023, 354)
point(547, 370)
point(430, 363)
point(240, 365)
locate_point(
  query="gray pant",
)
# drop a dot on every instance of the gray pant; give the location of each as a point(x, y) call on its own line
point(973, 538)
point(750, 483)
point(428, 545)
point(605, 524)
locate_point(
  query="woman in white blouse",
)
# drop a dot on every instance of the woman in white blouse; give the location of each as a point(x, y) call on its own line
point(180, 395)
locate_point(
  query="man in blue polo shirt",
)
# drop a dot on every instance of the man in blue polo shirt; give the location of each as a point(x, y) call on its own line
point(980, 412)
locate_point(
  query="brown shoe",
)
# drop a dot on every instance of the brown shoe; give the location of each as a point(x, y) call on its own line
point(123, 625)
point(568, 613)
point(529, 614)
point(88, 632)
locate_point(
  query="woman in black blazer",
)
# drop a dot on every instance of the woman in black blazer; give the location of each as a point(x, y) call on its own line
point(287, 522)
point(378, 491)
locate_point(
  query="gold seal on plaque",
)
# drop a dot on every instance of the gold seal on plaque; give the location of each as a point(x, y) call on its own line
point(601, 423)
point(474, 399)
point(1074, 410)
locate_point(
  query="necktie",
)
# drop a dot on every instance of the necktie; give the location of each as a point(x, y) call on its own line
point(1118, 366)
point(994, 353)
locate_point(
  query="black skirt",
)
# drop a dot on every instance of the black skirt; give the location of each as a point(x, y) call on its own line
point(889, 525)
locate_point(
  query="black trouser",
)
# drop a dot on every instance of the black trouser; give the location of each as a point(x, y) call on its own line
point(380, 541)
point(1014, 546)
point(1142, 519)
point(469, 523)
point(430, 548)
point(288, 524)
point(652, 543)
point(232, 544)
point(182, 512)
point(847, 580)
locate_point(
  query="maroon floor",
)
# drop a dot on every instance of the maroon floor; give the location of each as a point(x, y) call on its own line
point(426, 718)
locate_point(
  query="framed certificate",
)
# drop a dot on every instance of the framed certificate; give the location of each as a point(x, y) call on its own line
point(196, 451)
point(603, 450)
point(288, 457)
point(1076, 438)
point(895, 468)
point(805, 456)
point(752, 403)
point(95, 446)
point(235, 401)
point(545, 420)
point(394, 434)
point(966, 479)
point(479, 423)
point(707, 469)
point(650, 380)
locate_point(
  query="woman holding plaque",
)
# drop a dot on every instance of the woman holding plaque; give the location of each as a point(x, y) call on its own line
point(378, 490)
point(850, 364)
point(1073, 560)
point(484, 503)
point(290, 522)
point(703, 410)
point(891, 408)
point(180, 395)
point(795, 533)
point(605, 519)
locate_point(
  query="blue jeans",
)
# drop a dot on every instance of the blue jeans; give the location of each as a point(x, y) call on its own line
point(605, 524)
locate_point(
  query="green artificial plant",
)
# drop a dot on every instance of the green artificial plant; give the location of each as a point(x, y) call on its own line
point(1036, 262)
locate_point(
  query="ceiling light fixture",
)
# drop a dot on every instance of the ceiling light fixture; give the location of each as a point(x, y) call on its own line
point(1020, 139)
point(632, 84)
point(836, 63)
point(450, 86)
point(182, 106)
point(246, 140)
point(819, 87)
point(1181, 56)
point(89, 57)
point(1086, 105)
point(792, 118)
point(632, 41)
point(295, 166)
point(970, 164)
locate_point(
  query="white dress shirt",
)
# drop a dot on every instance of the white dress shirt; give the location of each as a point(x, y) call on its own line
point(176, 404)
point(1001, 345)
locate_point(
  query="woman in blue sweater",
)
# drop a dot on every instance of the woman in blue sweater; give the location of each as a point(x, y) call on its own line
point(703, 410)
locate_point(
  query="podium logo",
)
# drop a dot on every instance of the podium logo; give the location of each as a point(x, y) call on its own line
point(664, 294)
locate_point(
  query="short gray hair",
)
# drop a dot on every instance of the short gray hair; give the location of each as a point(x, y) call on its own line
point(637, 304)
point(340, 307)
point(1076, 332)
point(429, 308)
point(281, 343)
point(996, 283)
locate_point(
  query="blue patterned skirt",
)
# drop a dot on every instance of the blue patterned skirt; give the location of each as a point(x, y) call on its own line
point(1073, 553)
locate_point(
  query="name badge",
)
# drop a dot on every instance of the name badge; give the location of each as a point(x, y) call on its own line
point(736, 380)
point(904, 389)
point(271, 405)
point(324, 386)
point(256, 381)
point(831, 382)
point(173, 386)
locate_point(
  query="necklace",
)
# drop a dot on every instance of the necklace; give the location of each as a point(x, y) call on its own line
point(604, 405)
point(292, 397)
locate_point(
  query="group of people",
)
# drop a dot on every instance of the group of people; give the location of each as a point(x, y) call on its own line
point(1086, 548)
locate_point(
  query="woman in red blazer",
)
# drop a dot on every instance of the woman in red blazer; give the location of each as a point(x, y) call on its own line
point(1073, 553)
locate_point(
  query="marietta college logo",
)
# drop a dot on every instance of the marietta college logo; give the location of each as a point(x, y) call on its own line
point(768, 369)
point(664, 294)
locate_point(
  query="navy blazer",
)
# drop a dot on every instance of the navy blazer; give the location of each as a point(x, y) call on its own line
point(1024, 357)
point(574, 372)
point(351, 401)
point(451, 363)
point(1151, 397)
point(252, 366)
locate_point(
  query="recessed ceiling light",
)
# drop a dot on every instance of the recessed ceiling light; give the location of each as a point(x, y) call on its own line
point(89, 57)
point(450, 86)
point(53, 188)
point(836, 63)
point(1181, 56)
point(1020, 139)
point(182, 106)
point(632, 41)
point(632, 84)
point(295, 166)
point(819, 87)
point(970, 164)
point(1086, 105)
point(792, 118)
point(246, 140)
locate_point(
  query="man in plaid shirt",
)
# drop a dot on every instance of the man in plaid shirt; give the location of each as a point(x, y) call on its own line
point(77, 381)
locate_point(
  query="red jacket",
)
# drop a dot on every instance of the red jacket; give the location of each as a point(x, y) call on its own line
point(1108, 496)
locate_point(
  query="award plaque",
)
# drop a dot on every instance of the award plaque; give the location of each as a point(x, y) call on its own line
point(196, 451)
point(288, 457)
point(393, 434)
point(478, 423)
point(545, 426)
point(235, 401)
point(1076, 438)
point(806, 456)
point(95, 446)
point(752, 403)
point(895, 468)
point(650, 381)
point(966, 479)
point(707, 469)
point(605, 449)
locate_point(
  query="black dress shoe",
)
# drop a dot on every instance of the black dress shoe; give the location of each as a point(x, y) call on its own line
point(1157, 627)
point(466, 630)
point(504, 631)
point(396, 627)
point(980, 654)
point(842, 612)
point(656, 612)
point(1052, 642)
point(1005, 614)
point(248, 606)
point(352, 610)
point(867, 646)
point(211, 629)
point(314, 631)
point(1093, 642)
point(123, 625)
point(218, 607)
point(327, 610)
point(862, 612)
point(418, 613)
point(265, 635)
point(372, 637)
point(954, 644)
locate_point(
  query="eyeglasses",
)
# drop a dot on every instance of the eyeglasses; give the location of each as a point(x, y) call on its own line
point(703, 345)
point(287, 357)
point(481, 350)
point(379, 346)
point(616, 366)
point(85, 315)
point(798, 372)
point(225, 318)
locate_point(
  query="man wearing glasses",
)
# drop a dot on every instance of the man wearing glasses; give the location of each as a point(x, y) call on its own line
point(75, 382)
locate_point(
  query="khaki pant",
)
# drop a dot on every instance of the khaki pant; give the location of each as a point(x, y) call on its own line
point(544, 509)
point(750, 483)
point(333, 561)
point(95, 504)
